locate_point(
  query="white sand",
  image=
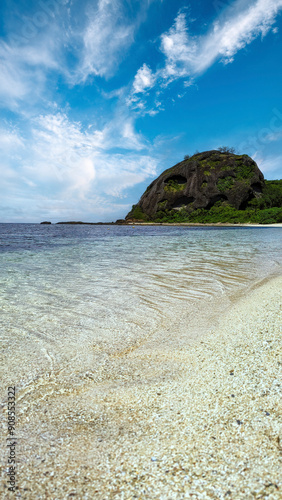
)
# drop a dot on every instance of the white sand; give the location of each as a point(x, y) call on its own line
point(197, 421)
point(215, 224)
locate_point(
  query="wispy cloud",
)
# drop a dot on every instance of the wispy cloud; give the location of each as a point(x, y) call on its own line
point(25, 69)
point(180, 50)
point(144, 79)
point(240, 25)
point(10, 140)
point(269, 164)
point(188, 56)
point(53, 163)
point(76, 158)
point(272, 136)
point(92, 45)
point(106, 37)
point(74, 165)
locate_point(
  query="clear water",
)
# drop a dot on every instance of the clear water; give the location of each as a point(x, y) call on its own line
point(73, 296)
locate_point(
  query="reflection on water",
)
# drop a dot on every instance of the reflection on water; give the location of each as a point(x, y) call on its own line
point(69, 293)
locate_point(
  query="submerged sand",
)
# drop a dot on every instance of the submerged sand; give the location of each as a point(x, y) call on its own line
point(197, 419)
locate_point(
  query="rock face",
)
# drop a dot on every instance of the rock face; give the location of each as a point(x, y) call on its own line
point(200, 182)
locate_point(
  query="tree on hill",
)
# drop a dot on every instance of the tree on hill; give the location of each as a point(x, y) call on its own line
point(226, 149)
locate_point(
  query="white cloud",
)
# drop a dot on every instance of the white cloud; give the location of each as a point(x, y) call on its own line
point(240, 25)
point(97, 39)
point(179, 49)
point(62, 155)
point(188, 56)
point(117, 172)
point(239, 28)
point(12, 149)
point(65, 166)
point(24, 69)
point(271, 165)
point(10, 140)
point(98, 47)
point(105, 40)
point(144, 79)
point(120, 133)
point(107, 36)
point(272, 136)
point(13, 84)
point(77, 158)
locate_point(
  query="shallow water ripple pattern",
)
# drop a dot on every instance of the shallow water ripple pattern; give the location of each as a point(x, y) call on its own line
point(69, 293)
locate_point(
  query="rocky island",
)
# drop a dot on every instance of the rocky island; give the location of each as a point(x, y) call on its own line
point(212, 186)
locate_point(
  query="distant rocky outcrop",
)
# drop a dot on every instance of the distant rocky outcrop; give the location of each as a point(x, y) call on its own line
point(200, 182)
point(46, 222)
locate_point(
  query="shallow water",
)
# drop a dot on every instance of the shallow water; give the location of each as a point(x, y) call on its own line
point(71, 296)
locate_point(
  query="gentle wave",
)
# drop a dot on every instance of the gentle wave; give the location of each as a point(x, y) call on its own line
point(69, 291)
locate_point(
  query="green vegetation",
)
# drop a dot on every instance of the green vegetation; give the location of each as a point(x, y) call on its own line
point(225, 183)
point(272, 194)
point(136, 213)
point(266, 209)
point(211, 164)
point(243, 171)
point(162, 204)
point(221, 213)
point(172, 186)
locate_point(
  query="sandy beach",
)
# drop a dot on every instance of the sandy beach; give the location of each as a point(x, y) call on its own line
point(195, 224)
point(176, 419)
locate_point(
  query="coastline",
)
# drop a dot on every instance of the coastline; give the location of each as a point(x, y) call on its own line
point(180, 224)
point(196, 224)
point(194, 420)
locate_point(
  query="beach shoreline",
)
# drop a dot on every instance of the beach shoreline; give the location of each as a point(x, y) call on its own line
point(199, 420)
point(197, 224)
point(213, 430)
point(180, 224)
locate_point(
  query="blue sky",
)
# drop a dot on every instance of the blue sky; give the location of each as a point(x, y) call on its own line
point(98, 97)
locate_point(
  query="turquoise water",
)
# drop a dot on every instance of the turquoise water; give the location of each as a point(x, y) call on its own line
point(71, 296)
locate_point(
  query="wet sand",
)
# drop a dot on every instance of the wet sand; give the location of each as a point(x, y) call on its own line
point(174, 418)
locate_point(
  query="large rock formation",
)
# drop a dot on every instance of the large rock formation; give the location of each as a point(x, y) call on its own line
point(200, 182)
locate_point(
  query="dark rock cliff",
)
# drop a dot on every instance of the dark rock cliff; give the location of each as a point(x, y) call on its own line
point(200, 182)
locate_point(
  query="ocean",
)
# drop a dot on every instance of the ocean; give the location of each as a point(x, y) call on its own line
point(74, 296)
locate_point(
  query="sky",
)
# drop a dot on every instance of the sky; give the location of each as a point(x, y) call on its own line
point(98, 97)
